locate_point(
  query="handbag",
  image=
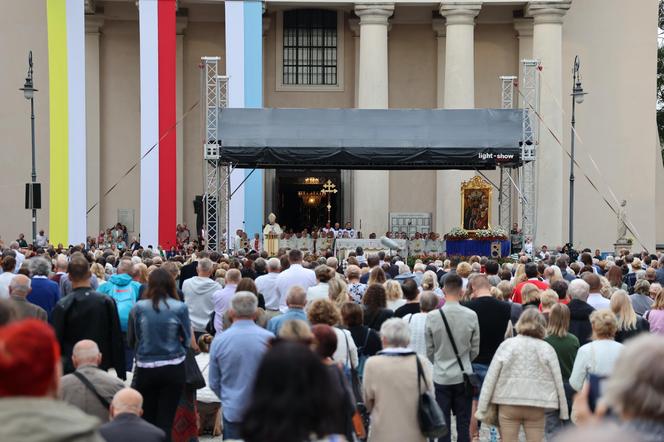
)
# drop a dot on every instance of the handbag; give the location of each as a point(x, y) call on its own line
point(429, 415)
point(361, 418)
point(193, 377)
point(471, 382)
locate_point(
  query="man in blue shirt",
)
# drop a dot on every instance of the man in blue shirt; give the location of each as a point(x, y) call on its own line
point(296, 299)
point(235, 355)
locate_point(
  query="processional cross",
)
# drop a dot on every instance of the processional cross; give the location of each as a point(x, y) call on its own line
point(329, 188)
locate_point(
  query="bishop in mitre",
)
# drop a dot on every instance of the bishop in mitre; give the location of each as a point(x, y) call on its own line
point(271, 234)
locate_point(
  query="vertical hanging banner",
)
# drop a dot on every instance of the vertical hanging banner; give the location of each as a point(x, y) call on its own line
point(66, 70)
point(158, 118)
point(244, 67)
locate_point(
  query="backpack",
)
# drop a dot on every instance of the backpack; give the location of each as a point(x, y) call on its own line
point(125, 299)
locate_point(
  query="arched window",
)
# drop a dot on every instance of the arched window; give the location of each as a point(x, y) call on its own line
point(310, 47)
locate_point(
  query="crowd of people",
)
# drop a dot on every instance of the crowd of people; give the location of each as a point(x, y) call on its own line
point(123, 344)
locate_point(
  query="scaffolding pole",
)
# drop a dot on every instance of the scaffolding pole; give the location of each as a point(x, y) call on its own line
point(505, 190)
point(214, 88)
point(529, 88)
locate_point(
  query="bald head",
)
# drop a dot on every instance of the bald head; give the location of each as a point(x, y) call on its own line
point(20, 286)
point(296, 297)
point(86, 352)
point(127, 400)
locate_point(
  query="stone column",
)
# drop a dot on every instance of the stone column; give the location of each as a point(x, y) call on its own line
point(372, 187)
point(458, 93)
point(354, 26)
point(93, 24)
point(180, 25)
point(524, 34)
point(547, 47)
point(438, 25)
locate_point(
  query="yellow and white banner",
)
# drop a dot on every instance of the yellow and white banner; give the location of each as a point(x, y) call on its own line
point(66, 68)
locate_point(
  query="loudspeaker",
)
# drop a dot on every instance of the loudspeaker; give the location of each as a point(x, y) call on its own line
point(495, 249)
point(33, 195)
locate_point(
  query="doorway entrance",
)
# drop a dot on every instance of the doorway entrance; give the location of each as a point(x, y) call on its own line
point(301, 204)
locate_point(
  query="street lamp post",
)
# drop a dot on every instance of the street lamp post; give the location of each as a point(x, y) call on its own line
point(29, 94)
point(577, 98)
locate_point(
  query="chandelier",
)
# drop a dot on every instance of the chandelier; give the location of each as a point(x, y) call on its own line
point(311, 180)
point(310, 198)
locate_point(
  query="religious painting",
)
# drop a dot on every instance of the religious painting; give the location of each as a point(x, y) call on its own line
point(475, 204)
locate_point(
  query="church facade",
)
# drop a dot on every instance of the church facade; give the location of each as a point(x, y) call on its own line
point(340, 54)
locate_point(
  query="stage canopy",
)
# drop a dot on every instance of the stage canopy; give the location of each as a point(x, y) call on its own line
point(371, 138)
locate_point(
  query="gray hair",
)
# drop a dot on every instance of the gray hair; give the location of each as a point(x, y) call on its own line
point(39, 266)
point(273, 264)
point(578, 289)
point(244, 304)
point(125, 266)
point(16, 287)
point(395, 333)
point(204, 265)
point(296, 296)
point(332, 262)
point(428, 301)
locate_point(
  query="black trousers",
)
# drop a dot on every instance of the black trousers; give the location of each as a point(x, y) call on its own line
point(453, 398)
point(161, 388)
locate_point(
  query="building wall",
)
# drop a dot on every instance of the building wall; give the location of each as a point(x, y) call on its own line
point(23, 27)
point(119, 119)
point(616, 123)
point(617, 44)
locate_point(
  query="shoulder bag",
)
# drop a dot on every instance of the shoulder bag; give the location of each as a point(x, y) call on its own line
point(86, 382)
point(471, 382)
point(429, 415)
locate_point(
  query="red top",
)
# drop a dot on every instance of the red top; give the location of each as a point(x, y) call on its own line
point(516, 297)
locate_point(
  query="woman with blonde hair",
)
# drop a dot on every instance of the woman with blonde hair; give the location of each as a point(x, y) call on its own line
point(393, 294)
point(376, 276)
point(464, 270)
point(520, 274)
point(140, 273)
point(548, 298)
point(98, 270)
point(597, 357)
point(355, 287)
point(323, 311)
point(338, 292)
point(629, 323)
point(566, 346)
point(530, 296)
point(430, 283)
point(655, 316)
point(523, 382)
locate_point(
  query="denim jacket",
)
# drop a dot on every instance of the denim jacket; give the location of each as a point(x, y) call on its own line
point(159, 335)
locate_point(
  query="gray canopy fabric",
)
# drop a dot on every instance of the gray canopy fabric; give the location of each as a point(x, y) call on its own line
point(371, 138)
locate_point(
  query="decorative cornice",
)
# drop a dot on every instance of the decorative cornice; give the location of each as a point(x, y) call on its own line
point(460, 13)
point(439, 26)
point(354, 26)
point(93, 24)
point(374, 13)
point(548, 11)
point(267, 21)
point(181, 23)
point(90, 6)
point(523, 27)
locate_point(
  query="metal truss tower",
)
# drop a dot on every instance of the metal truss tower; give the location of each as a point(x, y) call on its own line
point(529, 92)
point(214, 88)
point(505, 191)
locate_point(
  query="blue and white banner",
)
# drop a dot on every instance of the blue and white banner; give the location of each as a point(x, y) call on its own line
point(244, 67)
